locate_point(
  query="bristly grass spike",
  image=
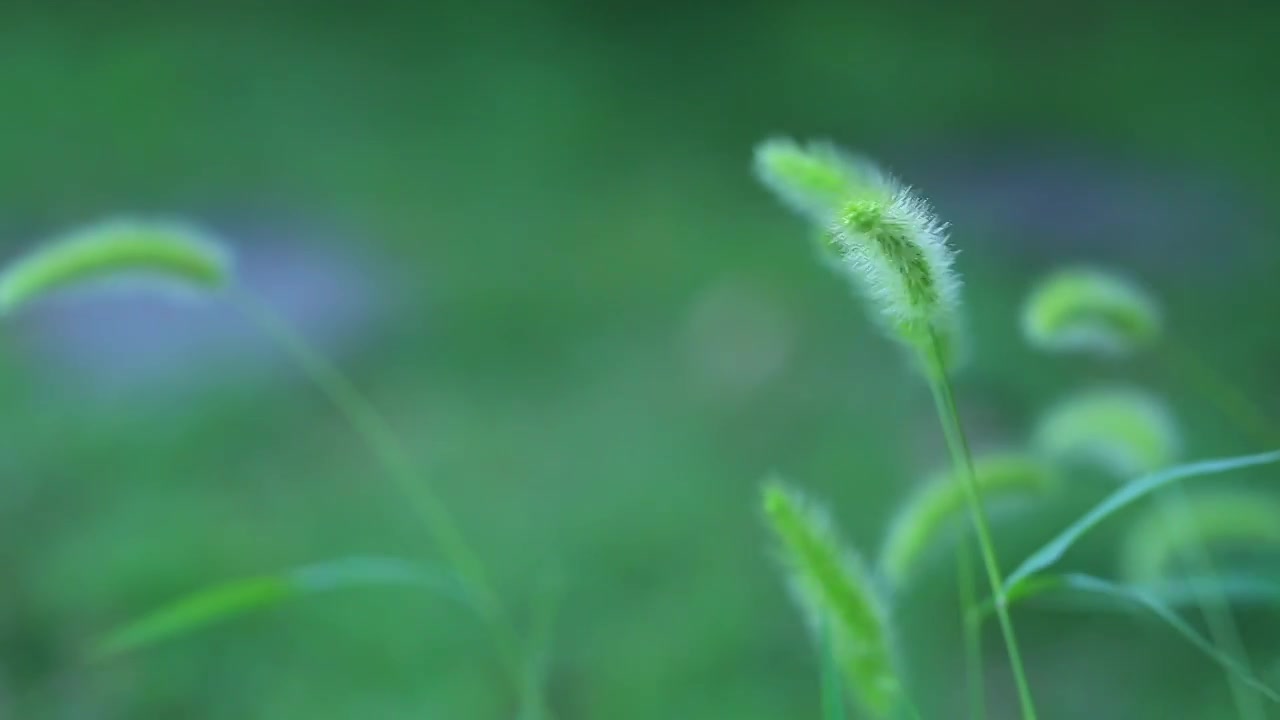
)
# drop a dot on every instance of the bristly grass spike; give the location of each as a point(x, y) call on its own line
point(817, 178)
point(1089, 310)
point(896, 251)
point(839, 597)
point(1125, 431)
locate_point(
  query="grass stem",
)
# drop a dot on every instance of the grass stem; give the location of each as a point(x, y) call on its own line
point(962, 459)
point(391, 456)
point(971, 628)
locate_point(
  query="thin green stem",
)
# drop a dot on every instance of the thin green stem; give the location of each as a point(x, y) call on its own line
point(391, 456)
point(971, 627)
point(962, 460)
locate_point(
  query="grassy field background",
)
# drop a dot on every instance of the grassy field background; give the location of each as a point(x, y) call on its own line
point(530, 234)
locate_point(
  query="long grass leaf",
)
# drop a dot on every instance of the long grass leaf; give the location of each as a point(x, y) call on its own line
point(1126, 495)
point(1138, 598)
point(239, 597)
point(1162, 601)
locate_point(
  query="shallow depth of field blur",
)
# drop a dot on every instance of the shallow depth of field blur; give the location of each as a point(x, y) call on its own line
point(529, 232)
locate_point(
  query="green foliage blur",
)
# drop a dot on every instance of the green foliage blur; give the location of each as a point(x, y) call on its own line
point(529, 232)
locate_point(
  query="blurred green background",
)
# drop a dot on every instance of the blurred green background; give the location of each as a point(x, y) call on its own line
point(529, 232)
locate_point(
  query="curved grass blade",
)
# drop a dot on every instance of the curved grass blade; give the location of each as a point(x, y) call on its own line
point(198, 610)
point(940, 504)
point(1241, 587)
point(1138, 598)
point(1126, 495)
point(177, 254)
point(239, 597)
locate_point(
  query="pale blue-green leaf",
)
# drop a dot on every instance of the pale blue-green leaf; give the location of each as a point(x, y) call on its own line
point(1141, 599)
point(1126, 495)
point(238, 597)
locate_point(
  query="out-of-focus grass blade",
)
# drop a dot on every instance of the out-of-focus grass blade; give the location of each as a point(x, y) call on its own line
point(194, 611)
point(1136, 597)
point(1236, 586)
point(1126, 495)
point(239, 597)
point(1160, 601)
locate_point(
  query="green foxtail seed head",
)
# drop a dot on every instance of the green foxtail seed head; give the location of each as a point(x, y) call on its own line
point(816, 179)
point(1090, 311)
point(837, 594)
point(876, 232)
point(1125, 431)
point(1166, 536)
point(896, 251)
point(173, 253)
point(939, 506)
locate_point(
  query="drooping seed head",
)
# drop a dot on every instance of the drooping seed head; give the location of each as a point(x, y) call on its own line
point(838, 596)
point(816, 179)
point(1124, 431)
point(896, 251)
point(173, 253)
point(938, 507)
point(1088, 310)
point(1166, 537)
point(877, 233)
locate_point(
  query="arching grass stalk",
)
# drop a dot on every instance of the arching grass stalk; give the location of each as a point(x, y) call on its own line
point(962, 459)
point(391, 456)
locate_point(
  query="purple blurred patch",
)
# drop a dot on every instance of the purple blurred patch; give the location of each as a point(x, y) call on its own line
point(130, 336)
point(1061, 202)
